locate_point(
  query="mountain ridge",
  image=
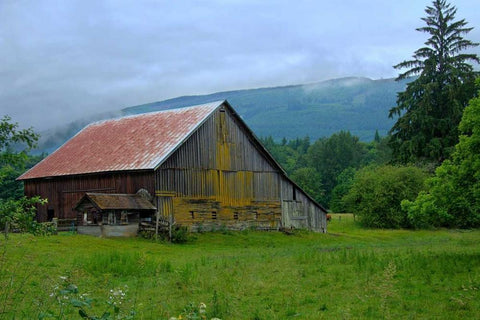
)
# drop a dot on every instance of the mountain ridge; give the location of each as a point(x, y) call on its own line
point(319, 109)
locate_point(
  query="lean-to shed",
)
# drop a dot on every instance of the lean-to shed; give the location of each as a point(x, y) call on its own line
point(202, 165)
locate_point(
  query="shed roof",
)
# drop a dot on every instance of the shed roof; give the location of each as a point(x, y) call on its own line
point(109, 201)
point(139, 142)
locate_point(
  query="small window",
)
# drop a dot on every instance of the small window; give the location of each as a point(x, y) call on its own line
point(192, 214)
point(124, 217)
point(235, 215)
point(214, 215)
point(112, 219)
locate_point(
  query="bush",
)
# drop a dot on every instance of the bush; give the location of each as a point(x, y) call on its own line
point(20, 216)
point(377, 192)
point(453, 198)
point(180, 234)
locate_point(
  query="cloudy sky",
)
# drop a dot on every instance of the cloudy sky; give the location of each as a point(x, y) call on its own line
point(61, 60)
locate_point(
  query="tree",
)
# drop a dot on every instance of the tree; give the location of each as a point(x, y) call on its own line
point(12, 138)
point(344, 184)
point(431, 107)
point(333, 155)
point(13, 207)
point(377, 192)
point(453, 199)
point(309, 180)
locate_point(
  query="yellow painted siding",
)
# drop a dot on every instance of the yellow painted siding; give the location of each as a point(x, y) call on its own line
point(220, 178)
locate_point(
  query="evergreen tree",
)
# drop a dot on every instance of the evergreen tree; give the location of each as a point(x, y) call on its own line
point(377, 138)
point(431, 107)
point(453, 198)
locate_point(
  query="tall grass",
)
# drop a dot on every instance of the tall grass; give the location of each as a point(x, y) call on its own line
point(349, 273)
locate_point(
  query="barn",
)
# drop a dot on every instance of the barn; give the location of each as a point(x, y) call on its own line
point(198, 166)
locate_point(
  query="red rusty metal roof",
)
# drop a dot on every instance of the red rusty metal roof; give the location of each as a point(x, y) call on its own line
point(108, 201)
point(139, 142)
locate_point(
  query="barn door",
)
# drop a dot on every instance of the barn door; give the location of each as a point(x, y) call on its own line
point(293, 214)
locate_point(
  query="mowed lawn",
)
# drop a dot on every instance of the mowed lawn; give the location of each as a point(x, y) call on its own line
point(349, 273)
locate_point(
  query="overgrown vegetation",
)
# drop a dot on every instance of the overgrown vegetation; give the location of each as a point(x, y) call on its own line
point(349, 273)
point(16, 210)
point(453, 196)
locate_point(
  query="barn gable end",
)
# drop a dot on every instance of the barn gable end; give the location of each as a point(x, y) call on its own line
point(223, 177)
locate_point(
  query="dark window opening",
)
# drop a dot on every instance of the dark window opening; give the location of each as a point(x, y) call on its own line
point(235, 215)
point(294, 194)
point(192, 214)
point(50, 214)
point(214, 215)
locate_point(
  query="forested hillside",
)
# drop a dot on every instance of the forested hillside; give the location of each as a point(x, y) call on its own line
point(359, 105)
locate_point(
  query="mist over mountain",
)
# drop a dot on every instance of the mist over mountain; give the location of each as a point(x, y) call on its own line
point(320, 109)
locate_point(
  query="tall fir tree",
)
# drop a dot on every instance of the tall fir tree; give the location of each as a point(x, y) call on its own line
point(431, 107)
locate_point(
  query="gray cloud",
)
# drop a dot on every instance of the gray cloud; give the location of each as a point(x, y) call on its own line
point(61, 60)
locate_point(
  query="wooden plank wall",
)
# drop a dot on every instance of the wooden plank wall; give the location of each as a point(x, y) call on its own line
point(63, 193)
point(298, 211)
point(220, 177)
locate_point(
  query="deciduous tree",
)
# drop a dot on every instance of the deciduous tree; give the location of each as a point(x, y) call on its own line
point(377, 192)
point(13, 207)
point(333, 155)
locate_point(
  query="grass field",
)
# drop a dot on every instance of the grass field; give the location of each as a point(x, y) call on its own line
point(349, 273)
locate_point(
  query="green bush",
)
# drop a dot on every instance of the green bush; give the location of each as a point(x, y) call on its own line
point(377, 192)
point(453, 198)
point(180, 234)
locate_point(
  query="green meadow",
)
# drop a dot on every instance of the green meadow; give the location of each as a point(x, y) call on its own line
point(348, 273)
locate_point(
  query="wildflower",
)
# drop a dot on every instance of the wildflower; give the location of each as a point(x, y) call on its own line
point(202, 308)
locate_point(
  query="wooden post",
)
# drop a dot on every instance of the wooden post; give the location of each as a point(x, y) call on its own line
point(170, 222)
point(157, 218)
point(156, 225)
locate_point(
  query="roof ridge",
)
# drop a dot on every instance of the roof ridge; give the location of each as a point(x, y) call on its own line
point(150, 113)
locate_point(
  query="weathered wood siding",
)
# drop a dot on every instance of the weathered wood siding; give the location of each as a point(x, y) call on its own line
point(299, 211)
point(63, 193)
point(220, 176)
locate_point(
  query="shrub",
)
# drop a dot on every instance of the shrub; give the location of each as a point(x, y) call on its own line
point(377, 192)
point(453, 198)
point(180, 234)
